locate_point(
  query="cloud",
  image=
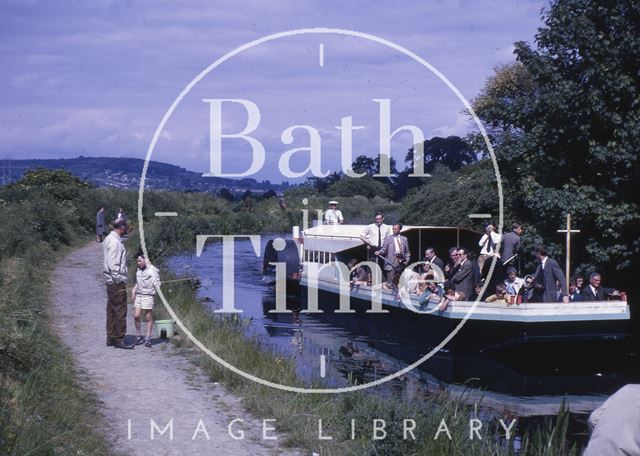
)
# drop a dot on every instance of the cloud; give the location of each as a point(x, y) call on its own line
point(97, 77)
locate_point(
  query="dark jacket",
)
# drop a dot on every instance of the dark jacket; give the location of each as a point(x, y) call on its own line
point(510, 245)
point(463, 280)
point(547, 277)
point(602, 294)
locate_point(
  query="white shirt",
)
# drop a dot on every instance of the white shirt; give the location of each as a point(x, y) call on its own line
point(333, 216)
point(115, 259)
point(484, 243)
point(371, 234)
point(145, 280)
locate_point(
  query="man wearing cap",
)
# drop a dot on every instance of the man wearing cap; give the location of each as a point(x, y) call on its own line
point(333, 216)
point(115, 274)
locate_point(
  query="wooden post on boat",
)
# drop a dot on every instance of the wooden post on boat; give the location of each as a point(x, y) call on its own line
point(569, 231)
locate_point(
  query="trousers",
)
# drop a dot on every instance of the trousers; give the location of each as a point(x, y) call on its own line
point(116, 311)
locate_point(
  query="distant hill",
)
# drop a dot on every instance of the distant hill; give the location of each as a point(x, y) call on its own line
point(125, 173)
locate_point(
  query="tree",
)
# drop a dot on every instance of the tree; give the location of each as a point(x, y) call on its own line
point(566, 123)
point(59, 183)
point(452, 152)
point(449, 197)
point(365, 186)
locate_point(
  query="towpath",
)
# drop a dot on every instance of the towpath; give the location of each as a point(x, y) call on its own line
point(144, 384)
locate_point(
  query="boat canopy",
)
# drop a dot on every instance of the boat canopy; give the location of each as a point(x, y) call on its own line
point(338, 238)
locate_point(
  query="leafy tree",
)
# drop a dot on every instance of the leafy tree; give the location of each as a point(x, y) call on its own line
point(449, 197)
point(269, 194)
point(321, 183)
point(58, 183)
point(452, 152)
point(566, 123)
point(364, 186)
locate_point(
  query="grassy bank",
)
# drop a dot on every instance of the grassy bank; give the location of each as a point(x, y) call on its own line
point(43, 409)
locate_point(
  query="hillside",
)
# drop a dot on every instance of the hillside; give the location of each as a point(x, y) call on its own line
point(125, 173)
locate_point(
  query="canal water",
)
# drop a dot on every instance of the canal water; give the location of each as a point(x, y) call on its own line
point(526, 382)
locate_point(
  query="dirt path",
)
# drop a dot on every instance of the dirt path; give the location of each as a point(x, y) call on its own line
point(144, 384)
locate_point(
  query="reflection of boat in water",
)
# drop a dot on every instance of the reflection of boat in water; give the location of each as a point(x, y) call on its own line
point(488, 327)
point(370, 349)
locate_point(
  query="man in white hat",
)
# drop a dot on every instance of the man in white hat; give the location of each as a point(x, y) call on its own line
point(333, 216)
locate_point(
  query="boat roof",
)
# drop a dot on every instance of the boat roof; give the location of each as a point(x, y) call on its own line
point(336, 238)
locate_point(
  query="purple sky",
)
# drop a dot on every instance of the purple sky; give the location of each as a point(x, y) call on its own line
point(95, 78)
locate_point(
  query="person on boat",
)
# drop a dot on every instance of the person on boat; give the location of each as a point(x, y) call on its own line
point(545, 277)
point(395, 251)
point(333, 216)
point(450, 267)
point(488, 245)
point(513, 283)
point(527, 289)
point(374, 235)
point(433, 293)
point(595, 292)
point(462, 280)
point(511, 244)
point(500, 296)
point(357, 275)
point(450, 294)
point(579, 283)
point(431, 259)
point(574, 293)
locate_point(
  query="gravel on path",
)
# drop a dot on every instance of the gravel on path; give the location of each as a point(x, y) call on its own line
point(140, 387)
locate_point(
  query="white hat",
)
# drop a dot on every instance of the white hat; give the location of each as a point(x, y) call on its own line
point(333, 202)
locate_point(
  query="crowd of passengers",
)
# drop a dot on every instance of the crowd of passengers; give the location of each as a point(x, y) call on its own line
point(464, 274)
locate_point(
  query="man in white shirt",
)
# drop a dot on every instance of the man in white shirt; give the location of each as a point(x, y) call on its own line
point(333, 216)
point(143, 295)
point(488, 245)
point(374, 235)
point(115, 275)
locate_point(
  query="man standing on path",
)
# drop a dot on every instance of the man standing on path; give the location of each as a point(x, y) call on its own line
point(115, 274)
point(101, 227)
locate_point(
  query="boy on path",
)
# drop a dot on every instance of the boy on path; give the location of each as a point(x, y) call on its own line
point(143, 294)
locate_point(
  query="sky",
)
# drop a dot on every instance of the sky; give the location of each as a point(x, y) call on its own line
point(95, 78)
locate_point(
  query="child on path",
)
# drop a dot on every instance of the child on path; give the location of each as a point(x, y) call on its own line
point(143, 294)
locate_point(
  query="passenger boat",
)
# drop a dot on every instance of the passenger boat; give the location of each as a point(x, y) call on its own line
point(480, 326)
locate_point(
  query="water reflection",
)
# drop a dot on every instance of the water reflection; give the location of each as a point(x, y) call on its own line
point(360, 348)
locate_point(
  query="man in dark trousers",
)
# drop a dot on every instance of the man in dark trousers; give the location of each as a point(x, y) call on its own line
point(511, 243)
point(395, 249)
point(462, 280)
point(594, 292)
point(115, 275)
point(545, 278)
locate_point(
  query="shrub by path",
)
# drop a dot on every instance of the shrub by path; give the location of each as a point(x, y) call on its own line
point(144, 383)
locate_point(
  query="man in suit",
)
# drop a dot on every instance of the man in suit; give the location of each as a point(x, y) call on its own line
point(546, 275)
point(395, 250)
point(594, 292)
point(431, 259)
point(462, 280)
point(511, 243)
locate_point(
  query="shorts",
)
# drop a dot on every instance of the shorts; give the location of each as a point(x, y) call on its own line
point(145, 302)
